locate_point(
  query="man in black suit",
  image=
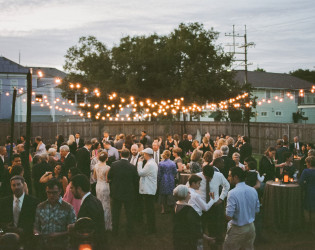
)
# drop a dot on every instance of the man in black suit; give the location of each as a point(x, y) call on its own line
point(69, 161)
point(26, 165)
point(156, 152)
point(91, 207)
point(123, 177)
point(185, 144)
point(3, 153)
point(228, 162)
point(79, 141)
point(138, 204)
point(246, 149)
point(84, 160)
point(38, 171)
point(106, 137)
point(18, 211)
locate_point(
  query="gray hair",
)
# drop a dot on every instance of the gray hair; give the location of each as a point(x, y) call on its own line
point(52, 151)
point(134, 146)
point(94, 140)
point(64, 148)
point(44, 157)
point(225, 150)
point(180, 192)
point(216, 154)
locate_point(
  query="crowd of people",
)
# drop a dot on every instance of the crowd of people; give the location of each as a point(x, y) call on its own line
point(76, 186)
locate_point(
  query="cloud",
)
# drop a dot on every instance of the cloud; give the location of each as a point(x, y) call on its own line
point(44, 30)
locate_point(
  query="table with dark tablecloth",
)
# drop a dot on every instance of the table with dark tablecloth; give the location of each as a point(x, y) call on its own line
point(282, 206)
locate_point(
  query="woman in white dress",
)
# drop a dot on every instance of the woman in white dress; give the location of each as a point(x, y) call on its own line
point(102, 187)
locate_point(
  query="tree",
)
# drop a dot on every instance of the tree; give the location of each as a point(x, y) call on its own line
point(307, 75)
point(260, 70)
point(185, 63)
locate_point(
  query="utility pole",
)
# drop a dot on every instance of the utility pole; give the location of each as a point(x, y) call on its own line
point(245, 61)
point(28, 112)
point(12, 122)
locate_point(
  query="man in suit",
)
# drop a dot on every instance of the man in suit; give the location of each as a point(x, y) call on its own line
point(156, 152)
point(296, 146)
point(26, 166)
point(91, 207)
point(228, 162)
point(79, 141)
point(133, 159)
point(3, 153)
point(246, 149)
point(123, 178)
point(38, 171)
point(120, 143)
point(106, 137)
point(185, 144)
point(69, 161)
point(138, 204)
point(18, 211)
point(83, 159)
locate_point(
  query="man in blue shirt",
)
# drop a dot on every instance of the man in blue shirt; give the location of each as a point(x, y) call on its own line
point(242, 205)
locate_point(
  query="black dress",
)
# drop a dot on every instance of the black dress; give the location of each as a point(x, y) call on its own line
point(204, 148)
point(187, 228)
point(267, 167)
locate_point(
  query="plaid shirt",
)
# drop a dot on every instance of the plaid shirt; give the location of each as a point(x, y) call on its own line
point(52, 219)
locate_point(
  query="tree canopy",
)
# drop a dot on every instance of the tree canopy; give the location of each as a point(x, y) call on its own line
point(185, 63)
point(308, 75)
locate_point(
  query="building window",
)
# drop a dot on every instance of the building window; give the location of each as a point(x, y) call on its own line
point(278, 113)
point(14, 83)
point(282, 93)
point(267, 94)
point(0, 86)
point(39, 98)
point(264, 114)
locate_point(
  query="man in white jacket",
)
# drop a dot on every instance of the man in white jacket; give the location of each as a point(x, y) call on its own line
point(148, 186)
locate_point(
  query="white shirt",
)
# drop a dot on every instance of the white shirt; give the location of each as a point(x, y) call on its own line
point(259, 178)
point(86, 195)
point(156, 156)
point(148, 177)
point(217, 180)
point(41, 149)
point(242, 166)
point(77, 141)
point(21, 199)
point(133, 159)
point(2, 157)
point(198, 203)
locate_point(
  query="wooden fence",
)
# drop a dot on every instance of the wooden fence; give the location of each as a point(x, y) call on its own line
point(262, 134)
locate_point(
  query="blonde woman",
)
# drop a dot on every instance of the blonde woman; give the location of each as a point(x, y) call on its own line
point(220, 143)
point(72, 144)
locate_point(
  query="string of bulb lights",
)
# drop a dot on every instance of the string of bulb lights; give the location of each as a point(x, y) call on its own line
point(144, 108)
